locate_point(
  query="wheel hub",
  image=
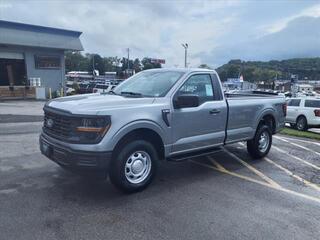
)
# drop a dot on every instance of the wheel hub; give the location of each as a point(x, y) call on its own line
point(264, 142)
point(138, 167)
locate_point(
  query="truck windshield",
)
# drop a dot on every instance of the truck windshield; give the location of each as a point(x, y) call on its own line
point(148, 84)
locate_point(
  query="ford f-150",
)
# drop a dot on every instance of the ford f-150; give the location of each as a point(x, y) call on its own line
point(159, 114)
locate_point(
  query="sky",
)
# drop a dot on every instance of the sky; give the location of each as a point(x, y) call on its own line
point(216, 31)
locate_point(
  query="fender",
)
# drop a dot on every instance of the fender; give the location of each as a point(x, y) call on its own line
point(143, 123)
point(267, 111)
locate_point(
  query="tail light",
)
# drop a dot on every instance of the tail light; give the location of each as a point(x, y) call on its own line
point(317, 112)
point(284, 109)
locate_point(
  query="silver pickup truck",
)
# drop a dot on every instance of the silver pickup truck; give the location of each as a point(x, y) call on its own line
point(171, 114)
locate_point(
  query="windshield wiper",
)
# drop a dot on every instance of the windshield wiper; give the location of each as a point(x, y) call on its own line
point(131, 93)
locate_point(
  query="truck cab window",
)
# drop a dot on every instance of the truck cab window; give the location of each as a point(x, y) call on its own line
point(199, 85)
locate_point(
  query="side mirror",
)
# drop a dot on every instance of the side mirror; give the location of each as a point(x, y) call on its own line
point(186, 101)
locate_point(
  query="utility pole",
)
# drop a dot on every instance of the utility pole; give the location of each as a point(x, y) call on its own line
point(93, 72)
point(185, 46)
point(128, 59)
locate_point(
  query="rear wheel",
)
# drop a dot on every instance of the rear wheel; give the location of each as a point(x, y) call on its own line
point(293, 125)
point(260, 145)
point(302, 124)
point(134, 166)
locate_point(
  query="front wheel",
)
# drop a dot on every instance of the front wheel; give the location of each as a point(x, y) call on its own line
point(260, 145)
point(134, 166)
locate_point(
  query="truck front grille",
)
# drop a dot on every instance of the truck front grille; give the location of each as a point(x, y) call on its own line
point(57, 125)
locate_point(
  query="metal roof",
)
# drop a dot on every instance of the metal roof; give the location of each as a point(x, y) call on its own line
point(21, 34)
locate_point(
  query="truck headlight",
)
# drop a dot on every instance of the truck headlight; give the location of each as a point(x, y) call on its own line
point(91, 130)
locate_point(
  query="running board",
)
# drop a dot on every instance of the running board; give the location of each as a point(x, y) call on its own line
point(186, 156)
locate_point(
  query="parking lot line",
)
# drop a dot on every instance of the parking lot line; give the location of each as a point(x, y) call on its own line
point(252, 169)
point(218, 165)
point(304, 181)
point(299, 140)
point(297, 145)
point(297, 158)
point(282, 189)
point(223, 170)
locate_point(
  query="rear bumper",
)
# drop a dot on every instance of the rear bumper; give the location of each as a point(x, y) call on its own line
point(314, 122)
point(73, 159)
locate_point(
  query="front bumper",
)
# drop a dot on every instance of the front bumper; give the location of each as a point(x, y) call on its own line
point(73, 159)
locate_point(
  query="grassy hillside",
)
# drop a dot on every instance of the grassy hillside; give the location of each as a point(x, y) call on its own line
point(267, 71)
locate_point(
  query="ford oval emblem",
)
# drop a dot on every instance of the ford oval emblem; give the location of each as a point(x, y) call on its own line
point(50, 123)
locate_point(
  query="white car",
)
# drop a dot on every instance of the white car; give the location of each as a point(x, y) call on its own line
point(303, 113)
point(101, 88)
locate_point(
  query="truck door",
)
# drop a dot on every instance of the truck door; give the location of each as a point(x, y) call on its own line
point(202, 126)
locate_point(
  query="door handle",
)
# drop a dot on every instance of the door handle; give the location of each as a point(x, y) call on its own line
point(214, 111)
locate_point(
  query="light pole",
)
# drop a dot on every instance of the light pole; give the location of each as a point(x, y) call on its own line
point(185, 46)
point(93, 72)
point(128, 59)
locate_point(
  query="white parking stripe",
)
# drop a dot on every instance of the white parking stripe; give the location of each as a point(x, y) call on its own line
point(260, 182)
point(306, 182)
point(297, 145)
point(299, 140)
point(297, 158)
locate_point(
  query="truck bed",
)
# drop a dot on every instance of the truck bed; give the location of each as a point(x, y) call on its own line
point(245, 110)
point(251, 94)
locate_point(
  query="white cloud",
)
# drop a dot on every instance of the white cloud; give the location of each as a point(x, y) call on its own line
point(313, 11)
point(157, 28)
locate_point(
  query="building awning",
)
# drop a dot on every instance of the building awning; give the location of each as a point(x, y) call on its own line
point(11, 55)
point(21, 34)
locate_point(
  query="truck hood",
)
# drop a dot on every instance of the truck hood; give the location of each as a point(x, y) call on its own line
point(95, 103)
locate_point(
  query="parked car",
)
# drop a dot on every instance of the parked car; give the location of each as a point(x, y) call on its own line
point(70, 91)
point(100, 88)
point(83, 88)
point(303, 113)
point(90, 87)
point(171, 114)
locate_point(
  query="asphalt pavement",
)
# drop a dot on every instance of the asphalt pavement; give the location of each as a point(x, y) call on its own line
point(223, 196)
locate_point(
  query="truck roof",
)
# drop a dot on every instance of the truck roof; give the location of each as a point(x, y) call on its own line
point(185, 70)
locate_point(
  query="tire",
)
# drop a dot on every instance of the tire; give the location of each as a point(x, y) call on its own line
point(302, 124)
point(293, 125)
point(256, 147)
point(134, 166)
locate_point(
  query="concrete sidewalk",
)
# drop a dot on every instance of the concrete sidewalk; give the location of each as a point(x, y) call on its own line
point(315, 130)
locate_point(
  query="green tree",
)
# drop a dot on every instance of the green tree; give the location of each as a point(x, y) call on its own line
point(255, 71)
point(203, 65)
point(98, 62)
point(124, 63)
point(137, 65)
point(75, 61)
point(147, 64)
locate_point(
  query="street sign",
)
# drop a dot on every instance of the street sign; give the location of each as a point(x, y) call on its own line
point(156, 60)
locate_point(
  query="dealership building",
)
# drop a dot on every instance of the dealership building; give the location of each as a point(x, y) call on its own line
point(32, 58)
